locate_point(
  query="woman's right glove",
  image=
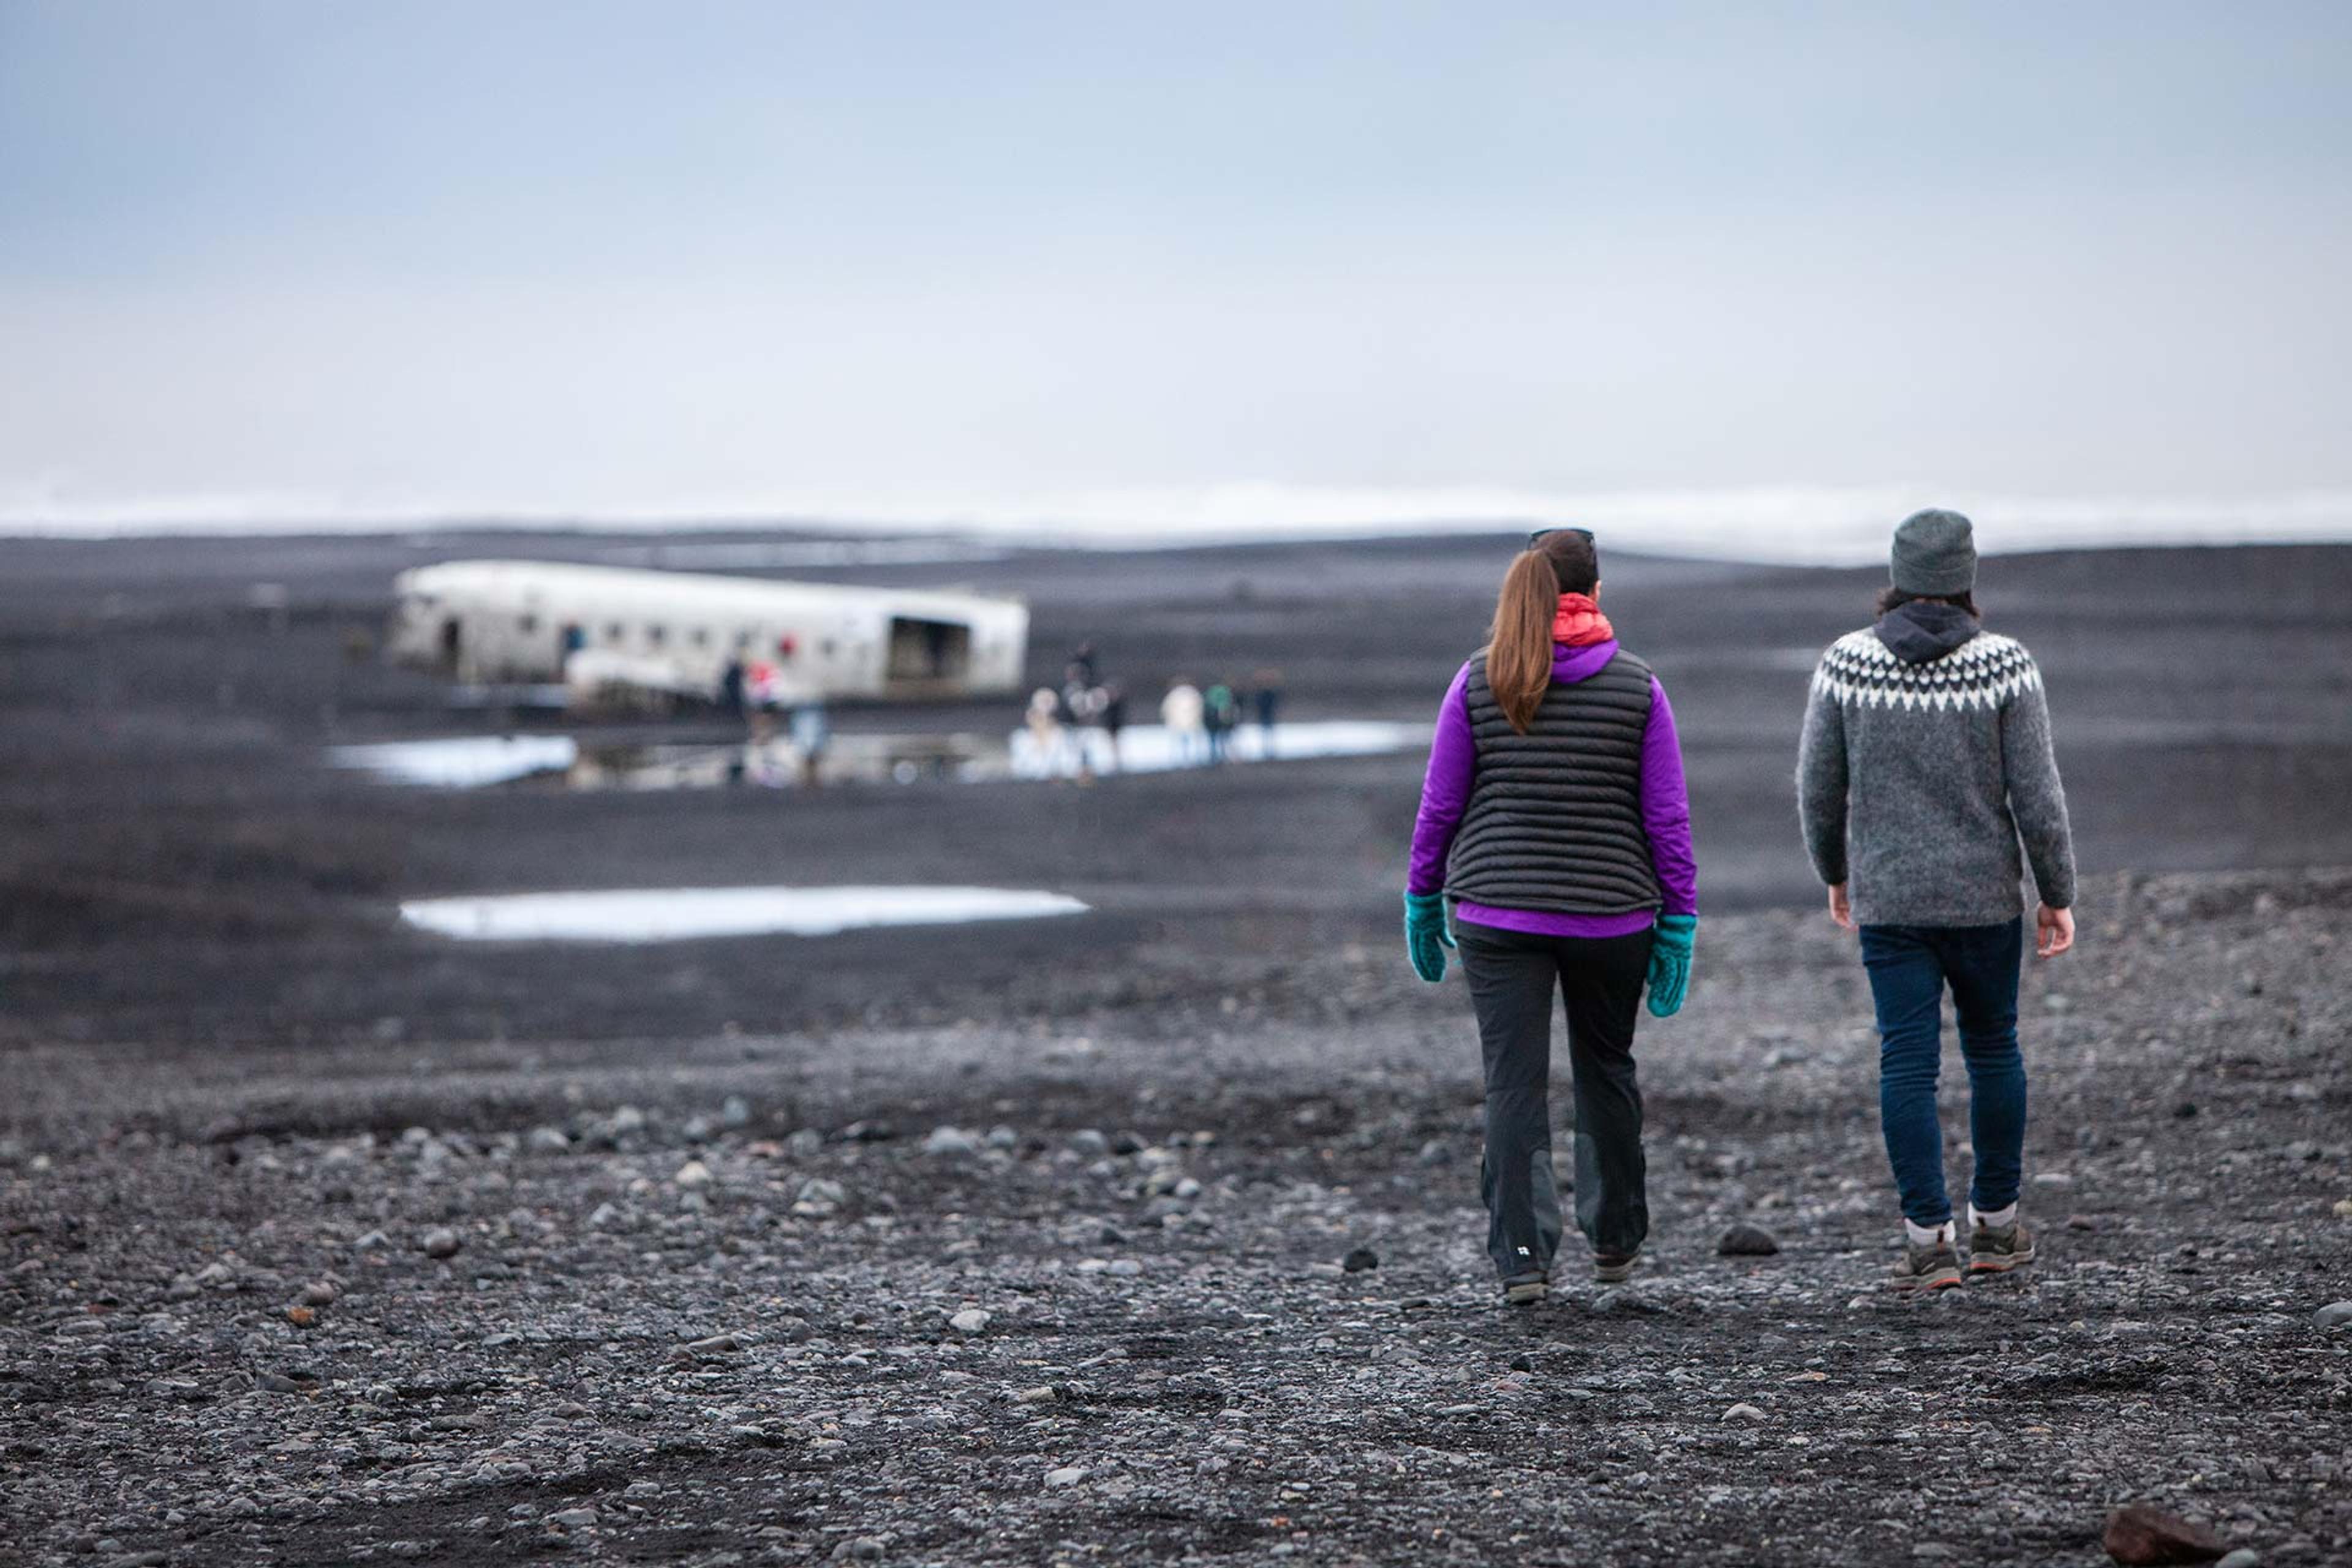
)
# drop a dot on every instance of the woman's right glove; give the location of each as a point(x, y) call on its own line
point(1670, 962)
point(1425, 936)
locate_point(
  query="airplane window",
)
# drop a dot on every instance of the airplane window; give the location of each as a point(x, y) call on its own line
point(527, 624)
point(616, 632)
point(787, 646)
point(653, 635)
point(699, 636)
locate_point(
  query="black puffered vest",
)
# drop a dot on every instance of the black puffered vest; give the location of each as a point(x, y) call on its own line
point(1554, 821)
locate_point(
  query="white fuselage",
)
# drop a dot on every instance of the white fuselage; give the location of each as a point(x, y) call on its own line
point(483, 621)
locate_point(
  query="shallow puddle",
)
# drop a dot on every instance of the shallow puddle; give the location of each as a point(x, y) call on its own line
point(465, 761)
point(679, 914)
point(474, 762)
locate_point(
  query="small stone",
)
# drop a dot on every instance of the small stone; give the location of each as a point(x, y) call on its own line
point(548, 1141)
point(804, 1142)
point(1068, 1476)
point(301, 1317)
point(735, 1112)
point(1433, 1153)
point(373, 1241)
point(2344, 1208)
point(1040, 1394)
point(950, 1140)
point(1125, 1267)
point(573, 1518)
point(1089, 1142)
point(2334, 1315)
point(2184, 1111)
point(860, 1549)
point(971, 1321)
point(1126, 1142)
point(2243, 1557)
point(693, 1174)
point(317, 1293)
point(1360, 1258)
point(1743, 1412)
point(2141, 1532)
point(1003, 1137)
point(440, 1242)
point(1746, 1241)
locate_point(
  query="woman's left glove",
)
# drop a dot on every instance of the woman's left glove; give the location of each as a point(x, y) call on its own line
point(1425, 936)
point(1670, 962)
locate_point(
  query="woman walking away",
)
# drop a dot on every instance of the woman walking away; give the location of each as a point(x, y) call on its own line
point(1554, 817)
point(1925, 757)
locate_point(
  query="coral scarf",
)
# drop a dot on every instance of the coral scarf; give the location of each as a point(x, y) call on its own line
point(1580, 622)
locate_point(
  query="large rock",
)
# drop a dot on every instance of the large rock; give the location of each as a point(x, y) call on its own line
point(2141, 1532)
point(1746, 1241)
point(2335, 1315)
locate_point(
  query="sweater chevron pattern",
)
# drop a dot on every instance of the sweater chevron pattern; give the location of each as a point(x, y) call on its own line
point(1920, 780)
point(1986, 671)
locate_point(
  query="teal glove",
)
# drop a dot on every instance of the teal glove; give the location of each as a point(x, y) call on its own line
point(1670, 962)
point(1424, 931)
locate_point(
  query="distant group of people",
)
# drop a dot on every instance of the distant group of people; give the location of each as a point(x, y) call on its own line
point(1075, 731)
point(755, 688)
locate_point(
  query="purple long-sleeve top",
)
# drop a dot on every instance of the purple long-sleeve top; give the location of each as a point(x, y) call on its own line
point(1666, 809)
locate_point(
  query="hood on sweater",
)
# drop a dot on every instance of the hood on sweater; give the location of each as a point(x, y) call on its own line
point(1582, 661)
point(1920, 631)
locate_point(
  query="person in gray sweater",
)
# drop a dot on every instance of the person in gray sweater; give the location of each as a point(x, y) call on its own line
point(1924, 764)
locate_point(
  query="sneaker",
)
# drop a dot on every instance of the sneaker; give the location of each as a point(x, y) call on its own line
point(1612, 1267)
point(1935, 1267)
point(1994, 1251)
point(1525, 1290)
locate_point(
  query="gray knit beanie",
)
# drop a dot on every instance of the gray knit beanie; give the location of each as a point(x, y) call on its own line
point(1935, 554)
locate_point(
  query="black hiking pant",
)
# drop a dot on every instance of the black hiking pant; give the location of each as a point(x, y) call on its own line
point(1512, 975)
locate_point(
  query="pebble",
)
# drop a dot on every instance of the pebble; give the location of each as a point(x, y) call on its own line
point(1089, 1141)
point(317, 1293)
point(573, 1518)
point(1743, 1412)
point(1068, 1476)
point(1360, 1258)
point(2243, 1557)
point(1746, 1241)
point(950, 1140)
point(2334, 1315)
point(440, 1242)
point(735, 1112)
point(971, 1321)
point(693, 1174)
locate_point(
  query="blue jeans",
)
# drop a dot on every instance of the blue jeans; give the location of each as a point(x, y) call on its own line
point(1910, 968)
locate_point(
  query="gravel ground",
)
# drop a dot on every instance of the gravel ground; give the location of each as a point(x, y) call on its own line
point(1079, 1288)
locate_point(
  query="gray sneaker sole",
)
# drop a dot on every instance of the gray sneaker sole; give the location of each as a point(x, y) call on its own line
point(1526, 1295)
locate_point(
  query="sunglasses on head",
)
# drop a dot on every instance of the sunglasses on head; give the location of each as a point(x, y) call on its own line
point(1583, 534)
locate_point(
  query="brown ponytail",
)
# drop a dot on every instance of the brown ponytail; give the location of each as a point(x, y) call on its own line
point(1518, 647)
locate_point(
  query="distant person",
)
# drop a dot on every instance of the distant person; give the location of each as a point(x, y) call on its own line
point(1080, 670)
point(1554, 817)
point(811, 736)
point(1114, 720)
point(1267, 702)
point(1044, 721)
point(1220, 715)
point(731, 687)
point(1185, 716)
point(1925, 757)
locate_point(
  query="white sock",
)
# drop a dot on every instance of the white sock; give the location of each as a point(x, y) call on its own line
point(1996, 1219)
point(1927, 1235)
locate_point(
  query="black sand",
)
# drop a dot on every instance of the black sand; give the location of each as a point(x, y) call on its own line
point(216, 1035)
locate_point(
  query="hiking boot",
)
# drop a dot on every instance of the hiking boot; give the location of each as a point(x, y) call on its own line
point(1992, 1251)
point(1935, 1267)
point(1525, 1290)
point(1613, 1267)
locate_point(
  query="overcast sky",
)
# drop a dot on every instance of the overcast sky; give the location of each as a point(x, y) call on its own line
point(547, 257)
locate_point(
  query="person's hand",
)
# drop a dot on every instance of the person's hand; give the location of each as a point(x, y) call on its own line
point(1670, 962)
point(1840, 910)
point(1425, 936)
point(2053, 931)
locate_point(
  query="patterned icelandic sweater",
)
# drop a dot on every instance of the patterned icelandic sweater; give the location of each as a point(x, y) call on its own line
point(1920, 771)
